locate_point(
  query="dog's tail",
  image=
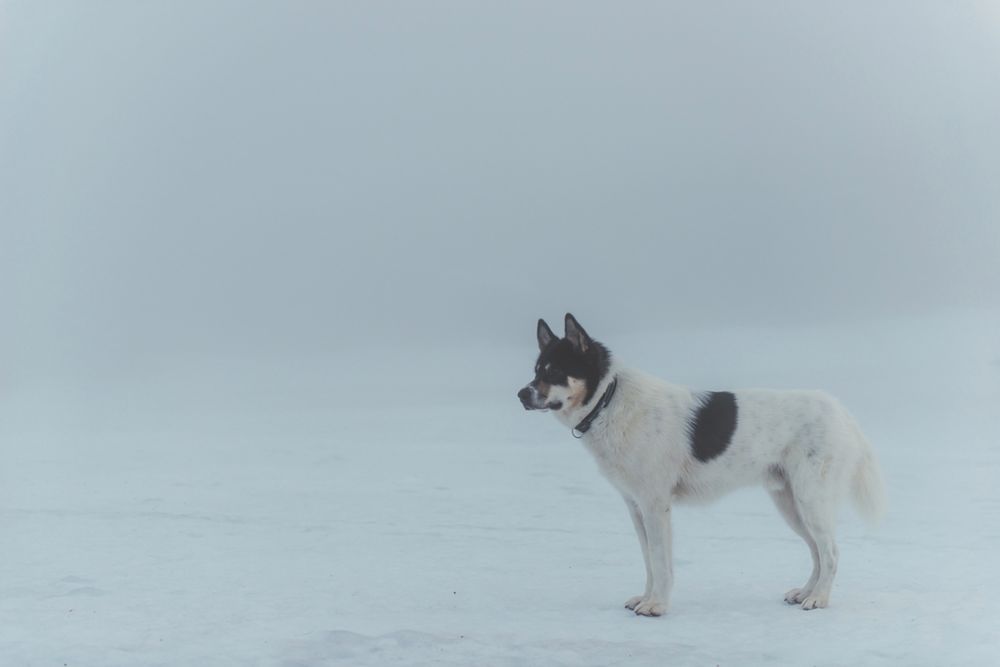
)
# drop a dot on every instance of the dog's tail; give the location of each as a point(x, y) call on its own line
point(867, 486)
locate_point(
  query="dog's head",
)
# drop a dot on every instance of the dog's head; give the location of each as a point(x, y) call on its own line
point(568, 369)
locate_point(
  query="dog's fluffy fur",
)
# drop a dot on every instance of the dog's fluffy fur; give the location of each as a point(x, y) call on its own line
point(660, 443)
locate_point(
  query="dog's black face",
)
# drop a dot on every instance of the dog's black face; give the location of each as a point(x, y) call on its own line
point(568, 369)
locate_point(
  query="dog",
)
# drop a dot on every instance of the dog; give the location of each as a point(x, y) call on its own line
point(661, 444)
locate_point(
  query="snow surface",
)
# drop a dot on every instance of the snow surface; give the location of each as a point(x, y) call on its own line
point(401, 509)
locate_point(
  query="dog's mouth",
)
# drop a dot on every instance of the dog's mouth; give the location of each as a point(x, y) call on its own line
point(554, 405)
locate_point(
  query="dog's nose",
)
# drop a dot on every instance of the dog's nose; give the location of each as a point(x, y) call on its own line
point(524, 395)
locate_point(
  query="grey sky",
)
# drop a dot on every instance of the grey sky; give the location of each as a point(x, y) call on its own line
point(197, 178)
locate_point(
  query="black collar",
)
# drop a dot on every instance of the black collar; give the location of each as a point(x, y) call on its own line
point(587, 421)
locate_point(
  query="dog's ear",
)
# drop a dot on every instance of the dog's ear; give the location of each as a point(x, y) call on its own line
point(575, 334)
point(545, 335)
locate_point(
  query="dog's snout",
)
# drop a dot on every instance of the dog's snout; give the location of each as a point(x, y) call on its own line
point(527, 397)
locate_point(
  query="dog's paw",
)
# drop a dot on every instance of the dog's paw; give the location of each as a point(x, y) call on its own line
point(632, 603)
point(815, 602)
point(796, 595)
point(650, 607)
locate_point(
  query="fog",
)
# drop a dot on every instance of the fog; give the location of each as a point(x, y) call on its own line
point(183, 181)
point(269, 277)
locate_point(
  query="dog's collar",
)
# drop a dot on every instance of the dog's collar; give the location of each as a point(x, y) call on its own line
point(587, 421)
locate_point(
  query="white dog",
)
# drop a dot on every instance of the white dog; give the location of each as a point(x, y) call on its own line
point(659, 443)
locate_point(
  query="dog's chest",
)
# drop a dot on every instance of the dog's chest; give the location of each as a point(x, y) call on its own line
point(614, 456)
point(640, 445)
point(632, 461)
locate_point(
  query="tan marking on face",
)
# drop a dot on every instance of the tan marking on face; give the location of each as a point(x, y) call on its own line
point(542, 388)
point(577, 390)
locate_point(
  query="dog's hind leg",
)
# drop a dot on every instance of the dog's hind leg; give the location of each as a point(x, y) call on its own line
point(640, 532)
point(785, 502)
point(816, 508)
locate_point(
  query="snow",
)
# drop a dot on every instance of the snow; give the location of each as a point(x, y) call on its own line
point(392, 508)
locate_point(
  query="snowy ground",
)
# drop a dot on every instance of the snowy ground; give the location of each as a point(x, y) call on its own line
point(404, 510)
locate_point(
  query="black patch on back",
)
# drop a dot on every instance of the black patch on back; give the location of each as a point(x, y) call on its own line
point(712, 425)
point(563, 360)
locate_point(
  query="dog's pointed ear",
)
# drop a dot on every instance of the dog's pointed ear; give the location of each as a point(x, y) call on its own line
point(575, 334)
point(545, 335)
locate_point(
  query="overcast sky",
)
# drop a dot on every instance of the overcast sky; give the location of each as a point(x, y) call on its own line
point(202, 178)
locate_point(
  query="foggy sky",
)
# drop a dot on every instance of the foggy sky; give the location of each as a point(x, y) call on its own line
point(193, 179)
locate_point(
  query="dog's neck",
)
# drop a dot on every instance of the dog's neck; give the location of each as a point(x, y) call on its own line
point(571, 416)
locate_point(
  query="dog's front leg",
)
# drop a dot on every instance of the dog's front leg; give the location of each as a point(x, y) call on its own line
point(656, 520)
point(640, 531)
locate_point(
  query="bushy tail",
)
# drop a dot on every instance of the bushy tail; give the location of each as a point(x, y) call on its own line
point(867, 487)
